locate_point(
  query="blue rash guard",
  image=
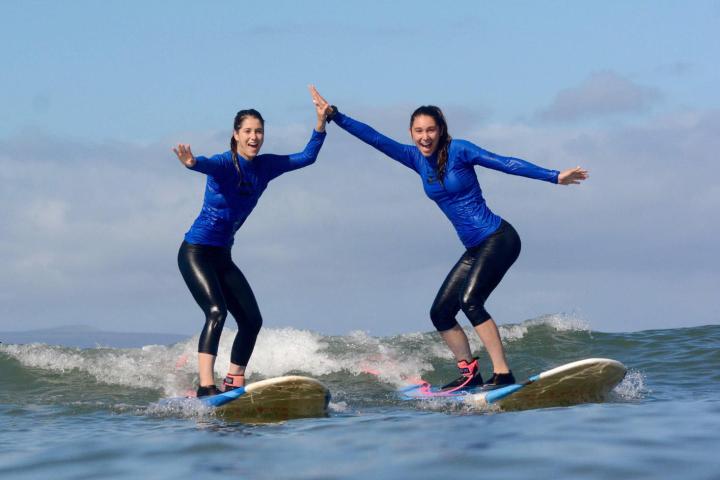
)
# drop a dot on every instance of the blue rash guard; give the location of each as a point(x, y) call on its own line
point(229, 197)
point(459, 195)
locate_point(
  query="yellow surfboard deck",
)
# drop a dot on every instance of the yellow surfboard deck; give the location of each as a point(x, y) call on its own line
point(279, 399)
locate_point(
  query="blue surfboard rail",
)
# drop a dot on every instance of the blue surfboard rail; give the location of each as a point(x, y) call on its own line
point(222, 398)
point(502, 392)
point(490, 396)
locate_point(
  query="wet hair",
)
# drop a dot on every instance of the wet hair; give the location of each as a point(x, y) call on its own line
point(241, 115)
point(445, 138)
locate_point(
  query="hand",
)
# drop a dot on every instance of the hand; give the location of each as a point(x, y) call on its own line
point(322, 105)
point(184, 154)
point(572, 176)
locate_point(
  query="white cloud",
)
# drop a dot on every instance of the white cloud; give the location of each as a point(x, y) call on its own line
point(352, 243)
point(603, 93)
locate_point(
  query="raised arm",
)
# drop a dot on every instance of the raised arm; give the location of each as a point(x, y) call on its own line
point(276, 165)
point(393, 149)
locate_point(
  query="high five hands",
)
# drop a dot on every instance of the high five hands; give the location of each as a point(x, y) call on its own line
point(321, 104)
point(321, 107)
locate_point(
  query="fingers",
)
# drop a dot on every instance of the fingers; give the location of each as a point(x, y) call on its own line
point(573, 176)
point(316, 95)
point(183, 151)
point(313, 91)
point(321, 105)
point(581, 174)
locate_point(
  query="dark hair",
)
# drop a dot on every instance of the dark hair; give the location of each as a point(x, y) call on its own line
point(445, 138)
point(242, 115)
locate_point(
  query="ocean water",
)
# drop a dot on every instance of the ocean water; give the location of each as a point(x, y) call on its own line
point(69, 412)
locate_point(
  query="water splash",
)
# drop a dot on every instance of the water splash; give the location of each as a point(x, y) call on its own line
point(633, 387)
point(179, 407)
point(356, 360)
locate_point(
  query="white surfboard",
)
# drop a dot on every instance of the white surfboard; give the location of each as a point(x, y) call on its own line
point(583, 381)
point(272, 400)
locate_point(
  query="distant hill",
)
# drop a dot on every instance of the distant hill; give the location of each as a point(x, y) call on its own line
point(82, 336)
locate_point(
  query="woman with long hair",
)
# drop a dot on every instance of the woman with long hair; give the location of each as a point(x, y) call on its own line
point(235, 181)
point(446, 167)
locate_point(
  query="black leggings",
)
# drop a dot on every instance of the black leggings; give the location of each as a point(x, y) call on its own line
point(218, 285)
point(474, 277)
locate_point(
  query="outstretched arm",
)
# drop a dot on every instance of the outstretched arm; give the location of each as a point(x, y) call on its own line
point(514, 166)
point(391, 148)
point(214, 165)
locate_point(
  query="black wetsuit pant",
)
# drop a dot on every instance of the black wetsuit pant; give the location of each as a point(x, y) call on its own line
point(219, 286)
point(474, 277)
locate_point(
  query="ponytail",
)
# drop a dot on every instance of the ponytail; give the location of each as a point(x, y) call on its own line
point(233, 152)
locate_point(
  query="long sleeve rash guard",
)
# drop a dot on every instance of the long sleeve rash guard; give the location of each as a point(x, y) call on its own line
point(231, 196)
point(459, 195)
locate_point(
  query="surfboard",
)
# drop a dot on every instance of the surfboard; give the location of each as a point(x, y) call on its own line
point(273, 400)
point(584, 381)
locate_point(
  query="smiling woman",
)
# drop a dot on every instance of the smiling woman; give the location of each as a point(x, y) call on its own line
point(235, 181)
point(248, 134)
point(446, 167)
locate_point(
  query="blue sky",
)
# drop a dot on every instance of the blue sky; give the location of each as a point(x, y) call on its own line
point(94, 205)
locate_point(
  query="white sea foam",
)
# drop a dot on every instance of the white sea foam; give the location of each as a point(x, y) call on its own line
point(338, 407)
point(153, 366)
point(562, 322)
point(283, 350)
point(278, 351)
point(180, 407)
point(468, 405)
point(382, 358)
point(173, 369)
point(633, 386)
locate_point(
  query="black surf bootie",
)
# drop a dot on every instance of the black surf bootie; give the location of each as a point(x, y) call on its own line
point(469, 376)
point(207, 391)
point(499, 380)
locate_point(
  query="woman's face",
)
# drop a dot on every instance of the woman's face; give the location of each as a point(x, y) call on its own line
point(426, 134)
point(249, 137)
